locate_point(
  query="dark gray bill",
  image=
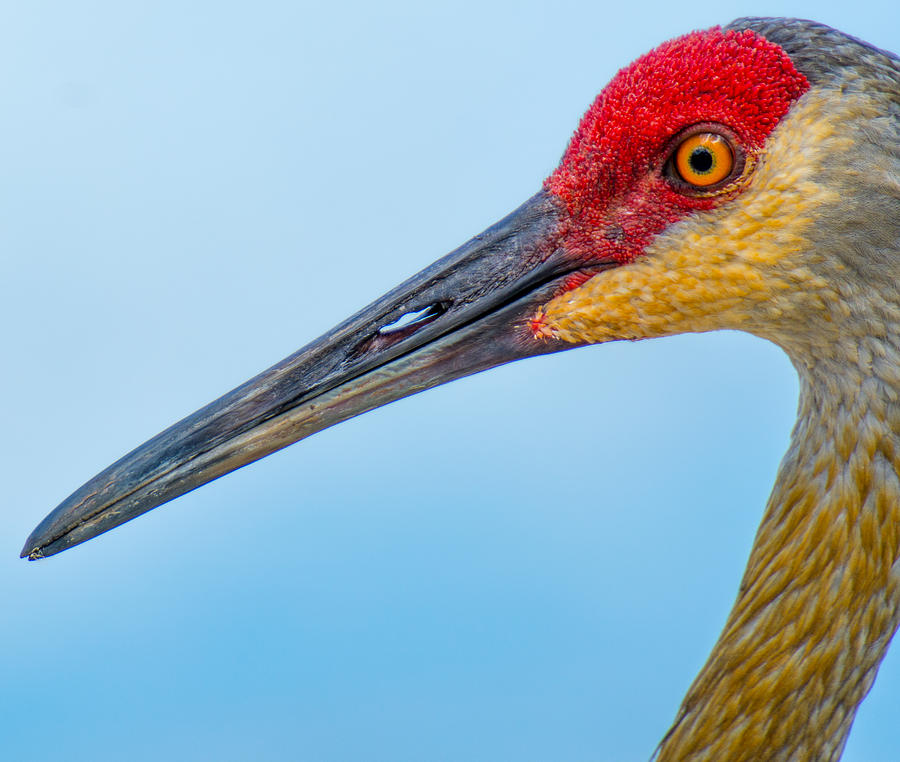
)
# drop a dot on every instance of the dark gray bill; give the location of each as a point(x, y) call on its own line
point(467, 312)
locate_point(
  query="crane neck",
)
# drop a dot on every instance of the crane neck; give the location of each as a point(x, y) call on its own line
point(820, 598)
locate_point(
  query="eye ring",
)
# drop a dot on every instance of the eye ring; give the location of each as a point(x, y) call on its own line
point(704, 159)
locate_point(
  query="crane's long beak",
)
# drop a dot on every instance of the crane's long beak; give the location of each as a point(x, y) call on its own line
point(467, 312)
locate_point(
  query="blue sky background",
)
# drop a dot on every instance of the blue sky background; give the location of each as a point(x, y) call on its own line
point(530, 564)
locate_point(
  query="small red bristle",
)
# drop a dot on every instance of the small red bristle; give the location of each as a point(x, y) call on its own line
point(610, 178)
point(539, 328)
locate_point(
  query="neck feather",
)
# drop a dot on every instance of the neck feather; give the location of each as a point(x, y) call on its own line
point(820, 599)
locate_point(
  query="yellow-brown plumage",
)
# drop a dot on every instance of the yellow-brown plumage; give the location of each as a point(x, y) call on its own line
point(820, 599)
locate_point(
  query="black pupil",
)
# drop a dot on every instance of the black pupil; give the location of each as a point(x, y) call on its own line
point(701, 160)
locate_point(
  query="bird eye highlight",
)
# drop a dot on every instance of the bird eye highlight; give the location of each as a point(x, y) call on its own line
point(704, 159)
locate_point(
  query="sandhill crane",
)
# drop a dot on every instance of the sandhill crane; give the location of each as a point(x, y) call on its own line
point(745, 178)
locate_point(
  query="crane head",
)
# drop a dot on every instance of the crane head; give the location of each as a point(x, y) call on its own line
point(687, 200)
point(664, 161)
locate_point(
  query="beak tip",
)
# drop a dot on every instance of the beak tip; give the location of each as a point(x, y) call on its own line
point(31, 551)
point(35, 546)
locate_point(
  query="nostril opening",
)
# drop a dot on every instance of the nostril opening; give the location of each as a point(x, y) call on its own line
point(414, 320)
point(401, 328)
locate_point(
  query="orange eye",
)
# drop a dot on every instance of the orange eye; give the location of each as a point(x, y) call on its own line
point(704, 159)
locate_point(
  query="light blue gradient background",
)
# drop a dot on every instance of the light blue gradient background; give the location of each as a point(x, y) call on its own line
point(530, 564)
